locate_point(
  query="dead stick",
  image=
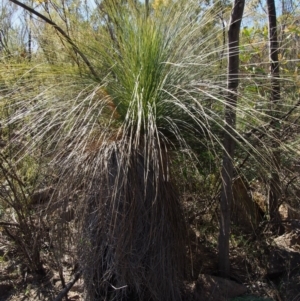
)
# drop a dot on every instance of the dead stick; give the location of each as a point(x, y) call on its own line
point(67, 288)
point(7, 224)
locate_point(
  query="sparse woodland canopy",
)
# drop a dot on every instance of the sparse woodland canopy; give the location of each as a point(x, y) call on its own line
point(115, 113)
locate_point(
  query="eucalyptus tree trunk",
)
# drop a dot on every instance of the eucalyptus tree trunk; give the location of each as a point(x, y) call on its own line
point(229, 143)
point(275, 186)
point(29, 38)
point(147, 8)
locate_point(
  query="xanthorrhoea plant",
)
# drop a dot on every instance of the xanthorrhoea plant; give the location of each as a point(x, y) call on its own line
point(112, 142)
point(133, 231)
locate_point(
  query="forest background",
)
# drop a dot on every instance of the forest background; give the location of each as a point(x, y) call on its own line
point(150, 144)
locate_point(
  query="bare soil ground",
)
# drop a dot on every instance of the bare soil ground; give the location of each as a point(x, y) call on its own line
point(266, 265)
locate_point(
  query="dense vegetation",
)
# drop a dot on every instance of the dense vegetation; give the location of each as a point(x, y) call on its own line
point(116, 114)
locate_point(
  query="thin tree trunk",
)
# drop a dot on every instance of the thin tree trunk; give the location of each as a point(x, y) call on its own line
point(147, 8)
point(29, 38)
point(274, 190)
point(229, 143)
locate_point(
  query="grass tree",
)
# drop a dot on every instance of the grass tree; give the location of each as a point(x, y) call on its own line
point(133, 243)
point(113, 141)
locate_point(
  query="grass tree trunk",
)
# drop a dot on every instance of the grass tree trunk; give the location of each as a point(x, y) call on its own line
point(133, 229)
point(229, 143)
point(274, 190)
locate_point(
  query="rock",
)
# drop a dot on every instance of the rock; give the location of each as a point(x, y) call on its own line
point(287, 212)
point(77, 288)
point(216, 289)
point(74, 297)
point(288, 241)
point(245, 212)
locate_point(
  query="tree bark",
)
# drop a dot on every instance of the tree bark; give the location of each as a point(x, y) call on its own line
point(229, 142)
point(29, 37)
point(275, 186)
point(66, 289)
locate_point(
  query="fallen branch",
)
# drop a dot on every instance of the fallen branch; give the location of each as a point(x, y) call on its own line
point(7, 224)
point(65, 291)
